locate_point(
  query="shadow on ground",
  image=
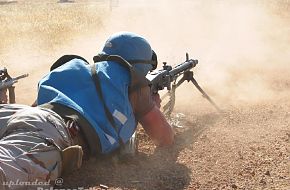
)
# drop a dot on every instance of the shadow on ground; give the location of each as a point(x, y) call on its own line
point(158, 170)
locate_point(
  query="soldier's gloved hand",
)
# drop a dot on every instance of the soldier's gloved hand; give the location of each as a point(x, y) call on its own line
point(156, 99)
point(3, 96)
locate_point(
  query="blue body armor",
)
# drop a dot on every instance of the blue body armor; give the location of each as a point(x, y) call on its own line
point(71, 85)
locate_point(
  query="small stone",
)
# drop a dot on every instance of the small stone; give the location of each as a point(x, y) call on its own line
point(234, 186)
point(267, 173)
point(262, 181)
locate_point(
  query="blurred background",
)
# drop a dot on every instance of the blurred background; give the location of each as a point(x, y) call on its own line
point(242, 46)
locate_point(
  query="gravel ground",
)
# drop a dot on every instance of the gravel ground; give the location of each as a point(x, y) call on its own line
point(245, 147)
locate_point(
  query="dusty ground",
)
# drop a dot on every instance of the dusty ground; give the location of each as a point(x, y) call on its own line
point(246, 147)
point(243, 49)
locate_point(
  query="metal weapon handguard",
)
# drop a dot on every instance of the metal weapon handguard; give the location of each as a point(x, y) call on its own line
point(163, 78)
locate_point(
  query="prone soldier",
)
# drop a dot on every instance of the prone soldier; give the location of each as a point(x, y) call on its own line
point(82, 110)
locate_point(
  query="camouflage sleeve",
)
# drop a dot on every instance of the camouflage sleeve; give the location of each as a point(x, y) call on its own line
point(141, 101)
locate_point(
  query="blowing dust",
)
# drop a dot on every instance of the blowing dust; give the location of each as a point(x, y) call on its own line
point(242, 46)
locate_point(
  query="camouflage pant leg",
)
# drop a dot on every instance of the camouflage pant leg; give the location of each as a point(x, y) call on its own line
point(30, 148)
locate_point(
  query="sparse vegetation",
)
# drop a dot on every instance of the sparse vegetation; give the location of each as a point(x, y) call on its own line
point(48, 24)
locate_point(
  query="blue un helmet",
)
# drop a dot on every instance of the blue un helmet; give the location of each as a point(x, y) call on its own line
point(133, 48)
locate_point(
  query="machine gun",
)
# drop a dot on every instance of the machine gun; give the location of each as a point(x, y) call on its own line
point(168, 78)
point(7, 82)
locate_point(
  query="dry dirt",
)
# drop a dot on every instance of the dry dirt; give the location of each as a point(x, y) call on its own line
point(244, 148)
point(243, 50)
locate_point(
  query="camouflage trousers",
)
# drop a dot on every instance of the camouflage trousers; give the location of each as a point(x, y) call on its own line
point(31, 144)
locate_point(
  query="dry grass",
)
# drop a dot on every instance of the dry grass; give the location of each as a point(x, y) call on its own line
point(36, 33)
point(48, 24)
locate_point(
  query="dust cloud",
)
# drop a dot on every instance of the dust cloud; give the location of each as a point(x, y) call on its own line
point(242, 46)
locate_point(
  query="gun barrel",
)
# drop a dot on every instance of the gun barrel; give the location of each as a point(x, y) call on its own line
point(187, 65)
point(20, 77)
point(7, 83)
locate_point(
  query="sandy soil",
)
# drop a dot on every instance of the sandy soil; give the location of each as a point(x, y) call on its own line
point(246, 147)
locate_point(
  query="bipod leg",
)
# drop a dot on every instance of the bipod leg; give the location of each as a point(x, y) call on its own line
point(180, 82)
point(168, 107)
point(204, 94)
point(175, 86)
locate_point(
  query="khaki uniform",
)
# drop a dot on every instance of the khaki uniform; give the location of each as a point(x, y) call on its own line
point(31, 144)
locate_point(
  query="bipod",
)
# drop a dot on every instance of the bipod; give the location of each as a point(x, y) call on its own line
point(188, 76)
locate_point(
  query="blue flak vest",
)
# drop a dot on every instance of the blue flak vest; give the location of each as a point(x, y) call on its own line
point(72, 85)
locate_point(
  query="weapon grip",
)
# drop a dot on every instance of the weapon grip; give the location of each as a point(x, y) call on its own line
point(11, 94)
